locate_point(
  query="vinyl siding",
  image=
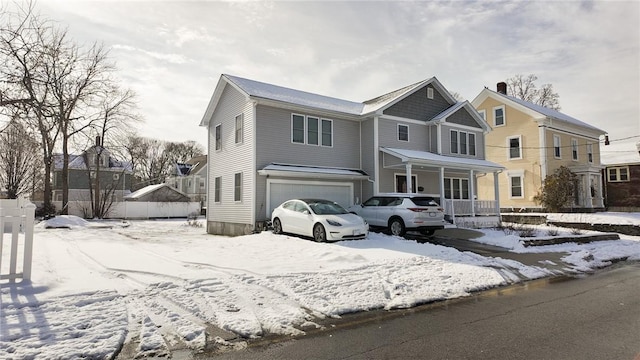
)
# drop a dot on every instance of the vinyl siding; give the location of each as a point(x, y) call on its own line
point(418, 106)
point(231, 159)
point(388, 135)
point(274, 144)
point(462, 117)
point(446, 142)
point(368, 159)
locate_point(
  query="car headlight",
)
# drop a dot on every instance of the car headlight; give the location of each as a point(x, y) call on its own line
point(333, 223)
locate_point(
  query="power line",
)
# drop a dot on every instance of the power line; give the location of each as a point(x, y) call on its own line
point(562, 146)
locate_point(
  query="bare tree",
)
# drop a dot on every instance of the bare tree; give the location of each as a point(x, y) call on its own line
point(18, 159)
point(524, 87)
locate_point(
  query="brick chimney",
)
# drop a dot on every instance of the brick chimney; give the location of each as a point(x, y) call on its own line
point(501, 87)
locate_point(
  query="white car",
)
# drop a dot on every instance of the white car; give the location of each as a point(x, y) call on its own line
point(398, 213)
point(323, 220)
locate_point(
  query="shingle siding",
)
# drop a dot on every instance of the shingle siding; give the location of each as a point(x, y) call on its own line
point(462, 117)
point(418, 106)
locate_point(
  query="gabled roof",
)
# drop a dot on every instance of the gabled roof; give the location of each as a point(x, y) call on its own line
point(433, 159)
point(262, 91)
point(470, 109)
point(532, 109)
point(77, 162)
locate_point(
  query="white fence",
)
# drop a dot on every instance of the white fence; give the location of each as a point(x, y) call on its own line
point(137, 209)
point(16, 219)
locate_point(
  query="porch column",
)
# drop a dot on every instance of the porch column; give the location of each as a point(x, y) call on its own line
point(472, 192)
point(496, 191)
point(408, 173)
point(600, 193)
point(589, 196)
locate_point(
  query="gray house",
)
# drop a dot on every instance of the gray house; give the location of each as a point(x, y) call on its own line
point(269, 143)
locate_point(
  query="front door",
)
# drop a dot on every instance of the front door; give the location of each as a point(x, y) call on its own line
point(401, 183)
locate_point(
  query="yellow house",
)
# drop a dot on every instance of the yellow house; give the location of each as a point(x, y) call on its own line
point(531, 142)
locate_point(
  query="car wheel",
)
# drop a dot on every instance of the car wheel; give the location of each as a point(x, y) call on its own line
point(277, 226)
point(427, 232)
point(319, 235)
point(396, 227)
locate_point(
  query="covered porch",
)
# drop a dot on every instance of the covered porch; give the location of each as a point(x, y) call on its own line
point(452, 180)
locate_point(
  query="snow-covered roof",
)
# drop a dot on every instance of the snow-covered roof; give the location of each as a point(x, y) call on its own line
point(554, 114)
point(312, 171)
point(278, 93)
point(77, 162)
point(144, 191)
point(436, 159)
point(619, 153)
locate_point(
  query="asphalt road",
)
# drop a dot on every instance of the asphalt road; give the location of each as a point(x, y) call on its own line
point(595, 317)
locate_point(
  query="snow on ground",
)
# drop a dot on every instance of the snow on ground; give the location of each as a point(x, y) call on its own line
point(161, 284)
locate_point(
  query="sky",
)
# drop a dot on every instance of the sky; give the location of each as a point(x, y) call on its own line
point(158, 285)
point(173, 53)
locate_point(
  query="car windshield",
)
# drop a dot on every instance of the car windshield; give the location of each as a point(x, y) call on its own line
point(326, 208)
point(424, 201)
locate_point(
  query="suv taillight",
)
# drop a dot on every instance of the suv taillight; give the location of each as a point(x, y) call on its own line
point(417, 209)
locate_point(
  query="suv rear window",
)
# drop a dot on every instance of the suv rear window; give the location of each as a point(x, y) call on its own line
point(424, 201)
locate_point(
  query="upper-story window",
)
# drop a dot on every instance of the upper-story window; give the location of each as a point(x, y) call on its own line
point(590, 153)
point(239, 128)
point(556, 147)
point(463, 143)
point(618, 174)
point(219, 137)
point(403, 132)
point(514, 144)
point(574, 149)
point(311, 130)
point(499, 118)
point(454, 141)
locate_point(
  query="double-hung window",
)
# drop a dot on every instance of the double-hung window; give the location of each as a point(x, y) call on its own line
point(618, 174)
point(454, 141)
point(590, 153)
point(472, 144)
point(218, 134)
point(514, 145)
point(237, 187)
point(516, 190)
point(574, 149)
point(499, 116)
point(403, 132)
point(217, 183)
point(556, 147)
point(239, 128)
point(463, 143)
point(456, 188)
point(311, 130)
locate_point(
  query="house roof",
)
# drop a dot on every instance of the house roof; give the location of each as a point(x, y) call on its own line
point(312, 171)
point(144, 191)
point(435, 159)
point(77, 162)
point(541, 110)
point(260, 90)
point(471, 110)
point(620, 153)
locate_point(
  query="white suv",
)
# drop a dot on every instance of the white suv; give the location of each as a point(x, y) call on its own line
point(401, 212)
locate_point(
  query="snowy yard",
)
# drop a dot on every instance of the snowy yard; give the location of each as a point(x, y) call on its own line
point(162, 284)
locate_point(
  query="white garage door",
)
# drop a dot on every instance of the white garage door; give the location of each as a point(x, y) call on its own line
point(279, 192)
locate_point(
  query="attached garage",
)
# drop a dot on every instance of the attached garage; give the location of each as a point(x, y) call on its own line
point(279, 191)
point(286, 182)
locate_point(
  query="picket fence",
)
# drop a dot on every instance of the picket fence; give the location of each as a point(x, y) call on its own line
point(17, 218)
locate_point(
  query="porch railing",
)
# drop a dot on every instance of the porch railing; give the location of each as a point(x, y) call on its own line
point(457, 207)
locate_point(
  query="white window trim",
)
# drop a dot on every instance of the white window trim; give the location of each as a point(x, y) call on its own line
point(519, 137)
point(218, 143)
point(590, 153)
point(235, 134)
point(504, 116)
point(559, 146)
point(235, 186)
point(461, 180)
point(457, 141)
point(398, 132)
point(617, 172)
point(320, 133)
point(574, 146)
point(429, 93)
point(483, 114)
point(475, 146)
point(519, 174)
point(304, 129)
point(218, 200)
